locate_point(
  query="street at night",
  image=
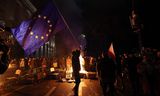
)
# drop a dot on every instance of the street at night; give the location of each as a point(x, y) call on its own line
point(54, 88)
point(47, 87)
point(79, 48)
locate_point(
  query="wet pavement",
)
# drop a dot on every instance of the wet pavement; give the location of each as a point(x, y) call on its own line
point(53, 87)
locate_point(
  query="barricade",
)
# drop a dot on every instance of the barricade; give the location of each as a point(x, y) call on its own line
point(15, 79)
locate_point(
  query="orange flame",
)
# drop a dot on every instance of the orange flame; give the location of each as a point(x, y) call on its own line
point(82, 63)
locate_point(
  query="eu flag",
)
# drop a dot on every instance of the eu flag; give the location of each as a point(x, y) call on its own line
point(34, 32)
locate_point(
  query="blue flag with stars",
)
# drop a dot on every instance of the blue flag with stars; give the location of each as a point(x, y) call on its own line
point(34, 32)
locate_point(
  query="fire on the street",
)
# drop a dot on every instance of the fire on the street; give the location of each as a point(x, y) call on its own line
point(82, 63)
point(70, 70)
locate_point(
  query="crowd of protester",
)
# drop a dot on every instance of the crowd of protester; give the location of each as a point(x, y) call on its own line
point(139, 72)
point(140, 69)
point(32, 69)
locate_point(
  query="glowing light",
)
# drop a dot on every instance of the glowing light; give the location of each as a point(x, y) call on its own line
point(55, 64)
point(39, 16)
point(10, 66)
point(70, 69)
point(48, 21)
point(50, 30)
point(52, 69)
point(18, 72)
point(82, 63)
point(50, 25)
point(36, 37)
point(47, 35)
point(83, 35)
point(44, 17)
point(42, 37)
point(31, 33)
point(111, 52)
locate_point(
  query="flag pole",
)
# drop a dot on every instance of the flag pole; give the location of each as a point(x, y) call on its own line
point(65, 23)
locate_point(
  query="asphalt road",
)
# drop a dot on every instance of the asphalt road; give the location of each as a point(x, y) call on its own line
point(53, 87)
point(87, 87)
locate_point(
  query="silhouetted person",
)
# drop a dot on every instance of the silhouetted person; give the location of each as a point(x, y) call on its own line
point(3, 56)
point(76, 69)
point(132, 62)
point(106, 72)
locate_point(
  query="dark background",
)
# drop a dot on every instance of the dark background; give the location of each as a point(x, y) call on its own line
point(102, 21)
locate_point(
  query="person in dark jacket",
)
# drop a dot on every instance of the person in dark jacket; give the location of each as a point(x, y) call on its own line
point(76, 69)
point(3, 56)
point(132, 62)
point(106, 72)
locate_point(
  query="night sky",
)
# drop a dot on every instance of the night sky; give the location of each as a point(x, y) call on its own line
point(102, 22)
point(108, 20)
